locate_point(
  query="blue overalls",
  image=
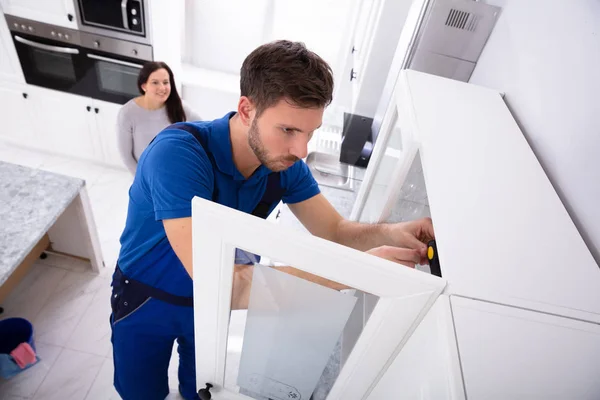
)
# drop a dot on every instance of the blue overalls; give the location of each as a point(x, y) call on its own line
point(152, 292)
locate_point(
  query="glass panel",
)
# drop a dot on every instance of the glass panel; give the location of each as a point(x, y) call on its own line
point(117, 79)
point(285, 342)
point(392, 154)
point(53, 65)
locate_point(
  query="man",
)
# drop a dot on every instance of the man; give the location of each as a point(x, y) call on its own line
point(247, 160)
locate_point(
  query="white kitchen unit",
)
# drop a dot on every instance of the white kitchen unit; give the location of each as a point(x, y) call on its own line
point(16, 124)
point(524, 288)
point(55, 12)
point(502, 233)
point(10, 69)
point(405, 295)
point(499, 352)
point(104, 128)
point(512, 353)
point(61, 123)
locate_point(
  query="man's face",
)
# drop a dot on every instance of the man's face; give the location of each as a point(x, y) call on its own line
point(279, 136)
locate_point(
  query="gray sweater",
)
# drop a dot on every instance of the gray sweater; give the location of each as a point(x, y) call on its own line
point(136, 127)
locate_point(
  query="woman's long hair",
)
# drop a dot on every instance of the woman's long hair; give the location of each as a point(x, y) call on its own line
point(175, 110)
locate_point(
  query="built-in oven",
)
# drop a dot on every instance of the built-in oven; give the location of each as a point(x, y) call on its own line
point(78, 62)
point(122, 19)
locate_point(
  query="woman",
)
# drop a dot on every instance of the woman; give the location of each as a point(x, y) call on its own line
point(143, 117)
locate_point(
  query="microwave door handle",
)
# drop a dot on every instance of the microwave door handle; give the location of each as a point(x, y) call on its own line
point(112, 60)
point(66, 50)
point(124, 13)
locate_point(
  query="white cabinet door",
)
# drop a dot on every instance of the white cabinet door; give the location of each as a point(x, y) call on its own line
point(10, 68)
point(62, 121)
point(55, 12)
point(15, 124)
point(292, 325)
point(511, 353)
point(106, 131)
point(427, 367)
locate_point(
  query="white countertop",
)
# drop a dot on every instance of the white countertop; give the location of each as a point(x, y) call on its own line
point(31, 200)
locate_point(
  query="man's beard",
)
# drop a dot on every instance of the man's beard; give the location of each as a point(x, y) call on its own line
point(261, 153)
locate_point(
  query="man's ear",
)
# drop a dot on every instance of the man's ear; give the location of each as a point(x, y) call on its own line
point(246, 110)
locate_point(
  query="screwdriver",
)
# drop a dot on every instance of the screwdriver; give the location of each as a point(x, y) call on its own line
point(434, 261)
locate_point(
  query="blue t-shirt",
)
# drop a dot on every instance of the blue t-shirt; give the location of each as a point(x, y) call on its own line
point(171, 171)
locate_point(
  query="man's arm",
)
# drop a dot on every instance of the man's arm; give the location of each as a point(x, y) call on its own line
point(321, 219)
point(179, 234)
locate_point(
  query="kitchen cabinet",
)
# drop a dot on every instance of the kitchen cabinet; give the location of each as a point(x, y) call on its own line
point(16, 124)
point(489, 198)
point(524, 317)
point(288, 312)
point(104, 128)
point(466, 348)
point(512, 353)
point(10, 69)
point(62, 123)
point(55, 12)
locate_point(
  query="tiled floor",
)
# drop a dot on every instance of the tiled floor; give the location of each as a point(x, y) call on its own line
point(68, 305)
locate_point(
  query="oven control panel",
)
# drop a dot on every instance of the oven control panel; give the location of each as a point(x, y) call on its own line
point(40, 29)
point(90, 41)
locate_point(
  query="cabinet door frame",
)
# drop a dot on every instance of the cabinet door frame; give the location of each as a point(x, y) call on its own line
point(395, 118)
point(99, 130)
point(405, 294)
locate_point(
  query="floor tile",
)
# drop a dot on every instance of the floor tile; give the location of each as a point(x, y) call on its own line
point(27, 382)
point(92, 333)
point(33, 292)
point(66, 262)
point(22, 156)
point(65, 308)
point(103, 387)
point(88, 171)
point(71, 377)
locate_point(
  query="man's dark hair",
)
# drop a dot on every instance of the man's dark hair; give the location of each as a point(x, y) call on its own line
point(285, 69)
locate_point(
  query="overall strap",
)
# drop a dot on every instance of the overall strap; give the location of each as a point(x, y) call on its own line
point(271, 196)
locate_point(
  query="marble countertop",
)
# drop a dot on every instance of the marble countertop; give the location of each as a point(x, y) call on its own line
point(31, 200)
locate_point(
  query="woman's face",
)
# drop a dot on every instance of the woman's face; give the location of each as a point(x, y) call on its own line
point(158, 86)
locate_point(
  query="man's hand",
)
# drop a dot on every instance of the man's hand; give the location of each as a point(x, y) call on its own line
point(413, 235)
point(408, 257)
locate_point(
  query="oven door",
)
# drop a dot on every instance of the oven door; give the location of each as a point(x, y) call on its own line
point(119, 15)
point(51, 64)
point(112, 79)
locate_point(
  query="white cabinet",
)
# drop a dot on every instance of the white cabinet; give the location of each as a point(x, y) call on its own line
point(10, 68)
point(525, 318)
point(55, 12)
point(511, 353)
point(15, 123)
point(466, 348)
point(104, 128)
point(62, 122)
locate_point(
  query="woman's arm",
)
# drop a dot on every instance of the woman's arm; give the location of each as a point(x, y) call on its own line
point(125, 140)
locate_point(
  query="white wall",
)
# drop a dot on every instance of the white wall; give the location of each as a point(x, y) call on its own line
point(545, 55)
point(219, 35)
